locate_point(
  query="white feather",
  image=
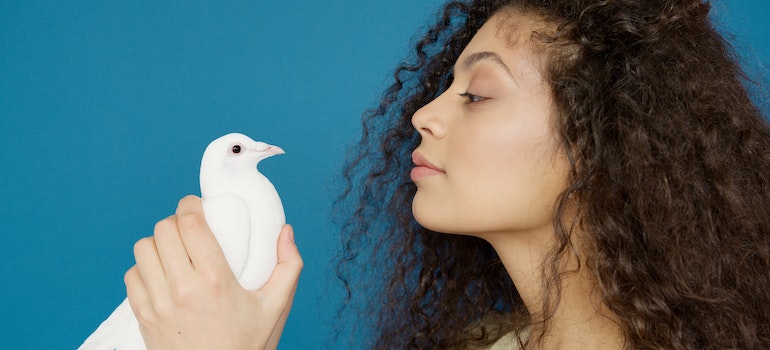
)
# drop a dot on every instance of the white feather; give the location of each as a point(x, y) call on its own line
point(245, 213)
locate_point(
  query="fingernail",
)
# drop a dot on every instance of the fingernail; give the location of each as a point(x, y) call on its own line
point(291, 234)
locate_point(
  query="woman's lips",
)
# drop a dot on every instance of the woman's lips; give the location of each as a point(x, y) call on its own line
point(422, 167)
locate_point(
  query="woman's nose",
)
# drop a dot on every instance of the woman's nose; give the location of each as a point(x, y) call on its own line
point(429, 120)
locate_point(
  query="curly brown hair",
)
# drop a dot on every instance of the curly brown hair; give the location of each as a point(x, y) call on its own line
point(669, 170)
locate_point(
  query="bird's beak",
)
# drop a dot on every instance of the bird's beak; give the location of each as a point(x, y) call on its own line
point(273, 150)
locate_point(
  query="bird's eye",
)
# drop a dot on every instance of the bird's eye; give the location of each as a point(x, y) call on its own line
point(236, 148)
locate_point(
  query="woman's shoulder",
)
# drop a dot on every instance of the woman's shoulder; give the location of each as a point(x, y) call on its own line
point(510, 341)
point(498, 323)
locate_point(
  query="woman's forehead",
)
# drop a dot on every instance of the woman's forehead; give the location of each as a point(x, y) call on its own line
point(511, 46)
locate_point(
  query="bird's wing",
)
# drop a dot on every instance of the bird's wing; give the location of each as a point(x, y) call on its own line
point(228, 217)
point(119, 331)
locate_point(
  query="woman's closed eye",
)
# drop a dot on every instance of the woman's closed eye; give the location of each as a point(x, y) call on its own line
point(471, 98)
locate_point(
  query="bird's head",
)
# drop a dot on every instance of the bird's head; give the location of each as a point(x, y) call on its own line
point(237, 151)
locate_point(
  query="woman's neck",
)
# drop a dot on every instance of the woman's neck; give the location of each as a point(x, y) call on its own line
point(580, 320)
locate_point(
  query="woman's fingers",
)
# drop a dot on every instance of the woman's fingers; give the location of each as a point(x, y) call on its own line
point(137, 293)
point(171, 250)
point(282, 285)
point(149, 267)
point(202, 247)
point(283, 282)
point(183, 298)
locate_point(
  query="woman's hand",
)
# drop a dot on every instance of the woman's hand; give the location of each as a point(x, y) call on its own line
point(185, 296)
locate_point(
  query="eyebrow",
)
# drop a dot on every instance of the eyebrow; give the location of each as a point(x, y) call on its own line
point(476, 57)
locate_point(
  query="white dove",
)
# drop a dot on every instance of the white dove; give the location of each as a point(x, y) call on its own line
point(243, 210)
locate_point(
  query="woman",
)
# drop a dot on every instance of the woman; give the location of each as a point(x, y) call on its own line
point(553, 175)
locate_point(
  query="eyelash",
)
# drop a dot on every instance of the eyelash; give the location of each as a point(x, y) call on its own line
point(471, 98)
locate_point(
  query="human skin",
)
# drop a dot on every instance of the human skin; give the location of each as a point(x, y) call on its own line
point(185, 295)
point(500, 167)
point(489, 165)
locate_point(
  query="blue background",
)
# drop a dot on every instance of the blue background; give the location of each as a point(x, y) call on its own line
point(106, 107)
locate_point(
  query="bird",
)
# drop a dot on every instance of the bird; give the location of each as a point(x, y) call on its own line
point(243, 210)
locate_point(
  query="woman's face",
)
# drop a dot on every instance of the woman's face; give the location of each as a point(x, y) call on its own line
point(489, 162)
